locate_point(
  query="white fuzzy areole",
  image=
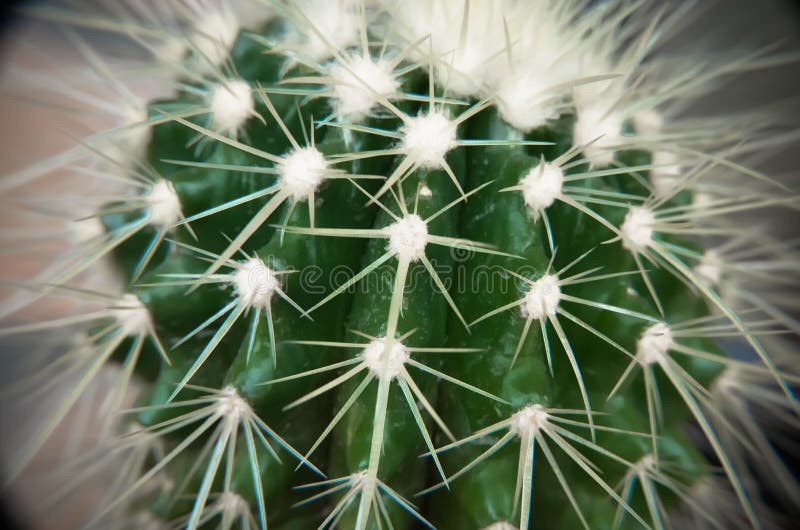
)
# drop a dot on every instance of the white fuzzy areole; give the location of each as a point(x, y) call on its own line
point(728, 383)
point(501, 525)
point(654, 343)
point(302, 171)
point(701, 199)
point(255, 283)
point(132, 316)
point(709, 269)
point(427, 138)
point(165, 206)
point(525, 102)
point(529, 420)
point(358, 479)
point(84, 230)
point(375, 355)
point(213, 35)
point(542, 299)
point(604, 129)
point(541, 186)
point(147, 520)
point(637, 229)
point(231, 105)
point(171, 50)
point(666, 174)
point(233, 504)
point(132, 140)
point(647, 464)
point(648, 122)
point(358, 84)
point(126, 144)
point(408, 238)
point(232, 406)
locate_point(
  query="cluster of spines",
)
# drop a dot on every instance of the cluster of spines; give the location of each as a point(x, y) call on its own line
point(646, 218)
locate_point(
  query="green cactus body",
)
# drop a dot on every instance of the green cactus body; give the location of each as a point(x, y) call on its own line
point(373, 285)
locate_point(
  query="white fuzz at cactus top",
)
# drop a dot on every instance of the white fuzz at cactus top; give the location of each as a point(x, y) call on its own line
point(132, 316)
point(385, 364)
point(528, 421)
point(637, 229)
point(654, 343)
point(427, 138)
point(408, 238)
point(302, 171)
point(542, 298)
point(165, 206)
point(541, 186)
point(328, 26)
point(464, 60)
point(214, 33)
point(358, 84)
point(524, 101)
point(231, 105)
point(232, 406)
point(255, 283)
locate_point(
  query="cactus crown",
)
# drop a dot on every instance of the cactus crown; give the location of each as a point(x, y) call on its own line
point(450, 256)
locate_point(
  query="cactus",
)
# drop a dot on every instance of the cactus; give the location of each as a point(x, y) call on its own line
point(448, 264)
